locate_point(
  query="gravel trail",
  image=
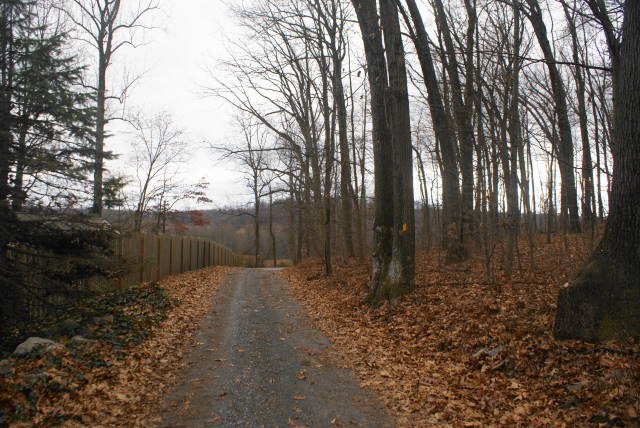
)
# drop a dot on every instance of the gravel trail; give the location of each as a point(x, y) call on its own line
point(258, 362)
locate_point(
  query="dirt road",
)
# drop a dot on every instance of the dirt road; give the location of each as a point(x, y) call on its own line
point(259, 363)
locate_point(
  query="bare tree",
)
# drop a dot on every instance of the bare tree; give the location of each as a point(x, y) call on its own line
point(603, 302)
point(444, 129)
point(252, 155)
point(569, 198)
point(159, 150)
point(104, 25)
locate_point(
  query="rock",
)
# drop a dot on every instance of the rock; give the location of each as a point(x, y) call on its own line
point(488, 352)
point(495, 351)
point(104, 320)
point(574, 387)
point(33, 343)
point(35, 378)
point(69, 327)
point(82, 340)
point(5, 366)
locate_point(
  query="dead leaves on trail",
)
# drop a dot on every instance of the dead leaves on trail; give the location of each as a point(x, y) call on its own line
point(105, 386)
point(460, 352)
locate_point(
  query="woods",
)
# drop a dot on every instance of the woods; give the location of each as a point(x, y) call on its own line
point(404, 153)
point(505, 96)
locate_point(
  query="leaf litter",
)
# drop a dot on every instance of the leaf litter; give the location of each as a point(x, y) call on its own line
point(459, 351)
point(120, 378)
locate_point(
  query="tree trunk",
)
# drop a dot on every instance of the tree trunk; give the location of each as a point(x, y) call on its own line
point(6, 138)
point(515, 137)
point(588, 196)
point(98, 156)
point(18, 193)
point(345, 161)
point(569, 196)
point(256, 225)
point(274, 254)
point(393, 223)
point(402, 269)
point(461, 112)
point(445, 135)
point(382, 149)
point(603, 302)
point(329, 154)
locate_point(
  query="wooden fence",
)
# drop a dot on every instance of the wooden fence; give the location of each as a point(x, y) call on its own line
point(153, 257)
point(147, 258)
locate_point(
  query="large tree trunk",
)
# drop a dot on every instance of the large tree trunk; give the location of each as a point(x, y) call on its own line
point(382, 150)
point(6, 86)
point(402, 269)
point(393, 254)
point(603, 302)
point(511, 155)
point(329, 149)
point(346, 193)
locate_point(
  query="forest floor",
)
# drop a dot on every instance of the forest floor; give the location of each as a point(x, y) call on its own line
point(135, 343)
point(229, 346)
point(464, 351)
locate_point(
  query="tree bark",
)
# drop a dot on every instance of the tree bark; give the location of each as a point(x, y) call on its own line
point(462, 111)
point(402, 269)
point(569, 195)
point(98, 157)
point(382, 149)
point(603, 302)
point(6, 70)
point(393, 232)
point(510, 158)
point(588, 194)
point(445, 135)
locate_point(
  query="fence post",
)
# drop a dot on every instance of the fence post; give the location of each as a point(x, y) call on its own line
point(142, 258)
point(181, 252)
point(170, 256)
point(158, 258)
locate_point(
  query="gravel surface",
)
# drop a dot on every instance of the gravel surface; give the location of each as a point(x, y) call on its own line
point(258, 362)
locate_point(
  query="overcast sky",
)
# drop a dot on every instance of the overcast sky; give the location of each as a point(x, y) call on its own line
point(190, 40)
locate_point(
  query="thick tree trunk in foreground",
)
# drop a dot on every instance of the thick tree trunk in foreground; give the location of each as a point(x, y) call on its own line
point(402, 269)
point(392, 255)
point(603, 301)
point(382, 154)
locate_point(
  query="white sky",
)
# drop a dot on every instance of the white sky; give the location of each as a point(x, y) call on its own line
point(190, 40)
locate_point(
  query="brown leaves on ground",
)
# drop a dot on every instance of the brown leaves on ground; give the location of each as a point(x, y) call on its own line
point(101, 385)
point(461, 352)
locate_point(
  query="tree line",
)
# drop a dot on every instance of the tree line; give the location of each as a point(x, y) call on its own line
point(509, 111)
point(501, 113)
